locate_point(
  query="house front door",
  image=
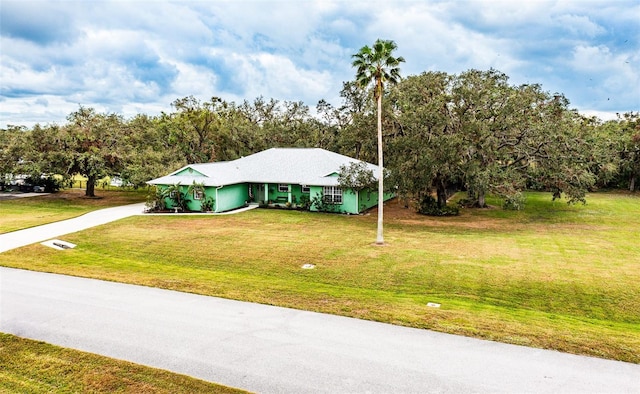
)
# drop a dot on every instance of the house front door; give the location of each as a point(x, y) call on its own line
point(260, 196)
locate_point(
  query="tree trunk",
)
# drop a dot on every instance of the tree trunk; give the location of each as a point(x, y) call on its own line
point(481, 199)
point(632, 183)
point(91, 185)
point(441, 192)
point(379, 238)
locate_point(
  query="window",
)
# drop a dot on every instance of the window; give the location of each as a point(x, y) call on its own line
point(332, 195)
point(283, 188)
point(198, 194)
point(306, 189)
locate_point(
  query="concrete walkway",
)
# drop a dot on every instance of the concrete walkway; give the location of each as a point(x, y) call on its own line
point(277, 350)
point(17, 239)
point(232, 212)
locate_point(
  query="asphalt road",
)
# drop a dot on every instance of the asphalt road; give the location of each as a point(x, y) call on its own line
point(277, 350)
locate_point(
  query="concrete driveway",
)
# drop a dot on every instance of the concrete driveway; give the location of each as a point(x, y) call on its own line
point(277, 350)
point(17, 239)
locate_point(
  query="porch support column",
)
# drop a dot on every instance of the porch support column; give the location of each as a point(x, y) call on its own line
point(289, 194)
point(266, 193)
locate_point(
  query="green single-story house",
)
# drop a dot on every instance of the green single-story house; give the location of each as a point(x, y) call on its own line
point(276, 176)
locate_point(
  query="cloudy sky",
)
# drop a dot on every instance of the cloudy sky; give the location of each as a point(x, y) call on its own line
point(138, 56)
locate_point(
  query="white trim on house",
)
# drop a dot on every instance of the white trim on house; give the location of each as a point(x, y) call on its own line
point(332, 194)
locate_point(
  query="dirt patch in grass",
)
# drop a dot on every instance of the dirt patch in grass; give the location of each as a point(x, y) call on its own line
point(491, 218)
point(395, 212)
point(103, 198)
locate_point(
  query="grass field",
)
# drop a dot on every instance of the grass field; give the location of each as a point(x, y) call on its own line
point(552, 276)
point(22, 213)
point(28, 366)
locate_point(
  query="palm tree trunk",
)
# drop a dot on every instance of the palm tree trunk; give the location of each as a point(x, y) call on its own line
point(379, 238)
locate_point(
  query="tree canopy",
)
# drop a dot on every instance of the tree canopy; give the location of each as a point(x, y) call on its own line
point(473, 131)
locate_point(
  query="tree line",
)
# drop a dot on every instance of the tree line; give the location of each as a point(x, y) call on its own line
point(471, 131)
point(476, 131)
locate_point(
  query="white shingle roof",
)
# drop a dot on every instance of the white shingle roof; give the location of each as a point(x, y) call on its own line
point(303, 166)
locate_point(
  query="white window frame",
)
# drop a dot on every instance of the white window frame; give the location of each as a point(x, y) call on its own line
point(332, 195)
point(305, 189)
point(198, 194)
point(283, 188)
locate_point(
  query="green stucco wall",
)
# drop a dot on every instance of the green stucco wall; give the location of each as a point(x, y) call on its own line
point(193, 204)
point(189, 171)
point(369, 198)
point(316, 191)
point(235, 196)
point(225, 198)
point(231, 197)
point(353, 202)
point(349, 201)
point(196, 205)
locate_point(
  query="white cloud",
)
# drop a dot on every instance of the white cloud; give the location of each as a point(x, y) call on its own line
point(281, 24)
point(579, 25)
point(599, 59)
point(268, 75)
point(619, 72)
point(510, 12)
point(602, 115)
point(28, 111)
point(613, 79)
point(429, 40)
point(19, 76)
point(141, 55)
point(193, 80)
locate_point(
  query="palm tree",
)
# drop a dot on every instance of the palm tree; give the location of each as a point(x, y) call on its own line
point(174, 192)
point(377, 65)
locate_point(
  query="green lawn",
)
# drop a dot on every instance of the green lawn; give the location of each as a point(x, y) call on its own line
point(552, 276)
point(28, 366)
point(27, 212)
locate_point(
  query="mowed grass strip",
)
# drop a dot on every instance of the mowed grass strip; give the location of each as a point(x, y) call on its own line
point(553, 276)
point(20, 213)
point(28, 366)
